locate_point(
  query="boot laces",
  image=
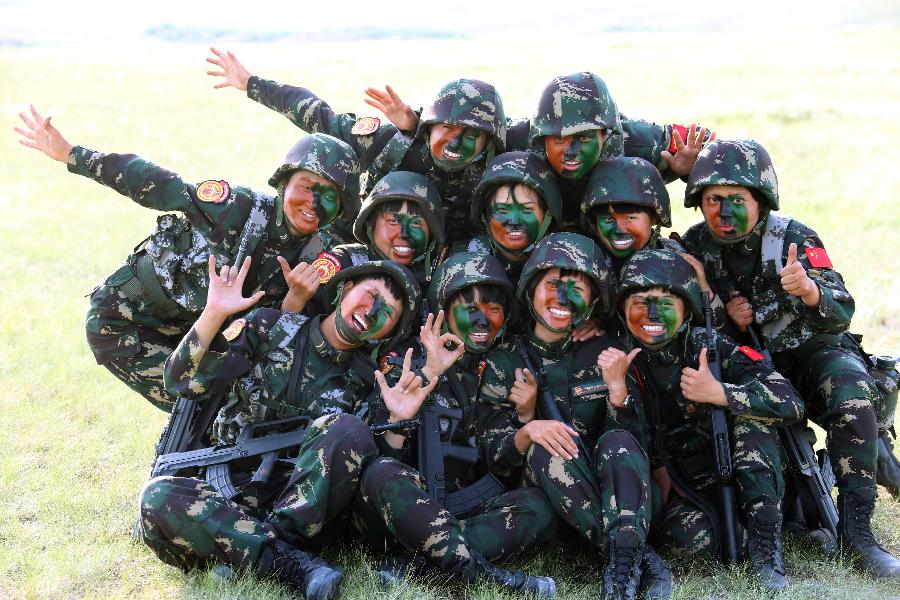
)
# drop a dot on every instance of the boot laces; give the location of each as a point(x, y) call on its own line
point(623, 565)
point(862, 526)
point(767, 540)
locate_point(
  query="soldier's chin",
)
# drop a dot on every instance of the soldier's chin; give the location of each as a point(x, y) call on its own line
point(304, 225)
point(514, 242)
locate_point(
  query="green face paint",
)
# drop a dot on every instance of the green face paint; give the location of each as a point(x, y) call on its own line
point(668, 315)
point(325, 203)
point(412, 231)
point(378, 316)
point(510, 219)
point(739, 212)
point(584, 148)
point(567, 294)
point(609, 229)
point(477, 329)
point(453, 152)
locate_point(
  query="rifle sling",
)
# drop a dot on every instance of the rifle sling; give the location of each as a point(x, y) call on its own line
point(295, 386)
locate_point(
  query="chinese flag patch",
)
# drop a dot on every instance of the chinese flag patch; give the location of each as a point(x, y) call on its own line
point(818, 258)
point(684, 134)
point(751, 353)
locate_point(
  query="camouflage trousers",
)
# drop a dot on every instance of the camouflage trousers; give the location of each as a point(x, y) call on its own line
point(188, 524)
point(597, 500)
point(393, 504)
point(130, 341)
point(841, 397)
point(757, 467)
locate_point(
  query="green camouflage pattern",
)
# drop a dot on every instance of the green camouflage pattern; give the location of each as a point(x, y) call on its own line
point(660, 268)
point(744, 163)
point(574, 103)
point(126, 331)
point(471, 103)
point(516, 167)
point(466, 269)
point(626, 180)
point(577, 386)
point(189, 525)
point(568, 251)
point(404, 278)
point(268, 343)
point(411, 187)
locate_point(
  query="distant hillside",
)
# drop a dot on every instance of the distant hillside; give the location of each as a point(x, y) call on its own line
point(187, 33)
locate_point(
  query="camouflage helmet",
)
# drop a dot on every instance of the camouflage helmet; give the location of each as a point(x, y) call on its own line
point(404, 278)
point(327, 157)
point(471, 103)
point(744, 163)
point(408, 186)
point(662, 268)
point(466, 269)
point(574, 103)
point(627, 180)
point(517, 167)
point(568, 251)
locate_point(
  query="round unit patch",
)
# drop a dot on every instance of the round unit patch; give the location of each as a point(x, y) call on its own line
point(326, 265)
point(365, 126)
point(213, 191)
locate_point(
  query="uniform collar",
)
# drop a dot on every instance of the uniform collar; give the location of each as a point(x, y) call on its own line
point(549, 350)
point(325, 350)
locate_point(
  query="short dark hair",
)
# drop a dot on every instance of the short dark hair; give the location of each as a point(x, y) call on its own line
point(487, 293)
point(414, 208)
point(395, 289)
point(510, 184)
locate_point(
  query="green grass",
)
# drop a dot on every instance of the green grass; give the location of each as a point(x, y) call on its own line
point(77, 444)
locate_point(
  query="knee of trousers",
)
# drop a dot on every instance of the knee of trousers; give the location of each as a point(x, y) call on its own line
point(531, 505)
point(347, 430)
point(151, 500)
point(616, 441)
point(385, 470)
point(688, 529)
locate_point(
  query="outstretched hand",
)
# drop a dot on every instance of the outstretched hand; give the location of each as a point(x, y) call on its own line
point(699, 385)
point(685, 155)
point(404, 399)
point(391, 106)
point(233, 72)
point(43, 136)
point(225, 296)
point(796, 282)
point(438, 357)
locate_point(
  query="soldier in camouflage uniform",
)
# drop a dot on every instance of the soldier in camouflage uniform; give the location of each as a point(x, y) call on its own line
point(577, 124)
point(603, 496)
point(658, 299)
point(138, 314)
point(477, 297)
point(516, 201)
point(279, 365)
point(775, 275)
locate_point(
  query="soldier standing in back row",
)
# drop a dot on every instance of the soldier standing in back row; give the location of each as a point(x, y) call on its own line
point(138, 314)
point(775, 276)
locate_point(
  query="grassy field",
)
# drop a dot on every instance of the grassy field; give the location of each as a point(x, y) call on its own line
point(77, 444)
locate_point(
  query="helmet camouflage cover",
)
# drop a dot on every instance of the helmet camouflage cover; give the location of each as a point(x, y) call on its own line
point(327, 157)
point(517, 167)
point(408, 186)
point(404, 278)
point(466, 269)
point(627, 180)
point(575, 103)
point(745, 163)
point(471, 103)
point(661, 269)
point(568, 251)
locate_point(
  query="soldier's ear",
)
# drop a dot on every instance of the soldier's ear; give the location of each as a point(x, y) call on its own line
point(347, 285)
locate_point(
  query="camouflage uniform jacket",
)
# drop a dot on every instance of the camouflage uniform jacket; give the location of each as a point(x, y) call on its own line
point(266, 347)
point(786, 323)
point(467, 372)
point(576, 384)
point(238, 221)
point(753, 390)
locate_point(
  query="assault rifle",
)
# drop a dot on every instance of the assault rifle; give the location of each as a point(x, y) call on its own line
point(813, 478)
point(722, 448)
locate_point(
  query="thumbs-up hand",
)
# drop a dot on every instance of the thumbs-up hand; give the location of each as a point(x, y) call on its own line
point(614, 363)
point(699, 385)
point(796, 282)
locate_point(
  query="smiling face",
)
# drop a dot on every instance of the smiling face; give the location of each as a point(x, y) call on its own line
point(310, 201)
point(455, 146)
point(368, 311)
point(653, 316)
point(515, 215)
point(560, 301)
point(624, 231)
point(730, 211)
point(400, 233)
point(573, 156)
point(477, 316)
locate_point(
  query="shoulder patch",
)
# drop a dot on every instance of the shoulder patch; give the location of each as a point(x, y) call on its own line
point(366, 126)
point(234, 330)
point(818, 258)
point(213, 191)
point(326, 266)
point(751, 353)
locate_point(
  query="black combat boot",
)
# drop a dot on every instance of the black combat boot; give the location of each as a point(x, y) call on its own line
point(479, 569)
point(623, 569)
point(887, 470)
point(855, 533)
point(405, 566)
point(310, 575)
point(766, 549)
point(656, 578)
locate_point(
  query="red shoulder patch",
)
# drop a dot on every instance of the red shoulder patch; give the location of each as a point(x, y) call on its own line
point(818, 258)
point(326, 265)
point(213, 191)
point(751, 353)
